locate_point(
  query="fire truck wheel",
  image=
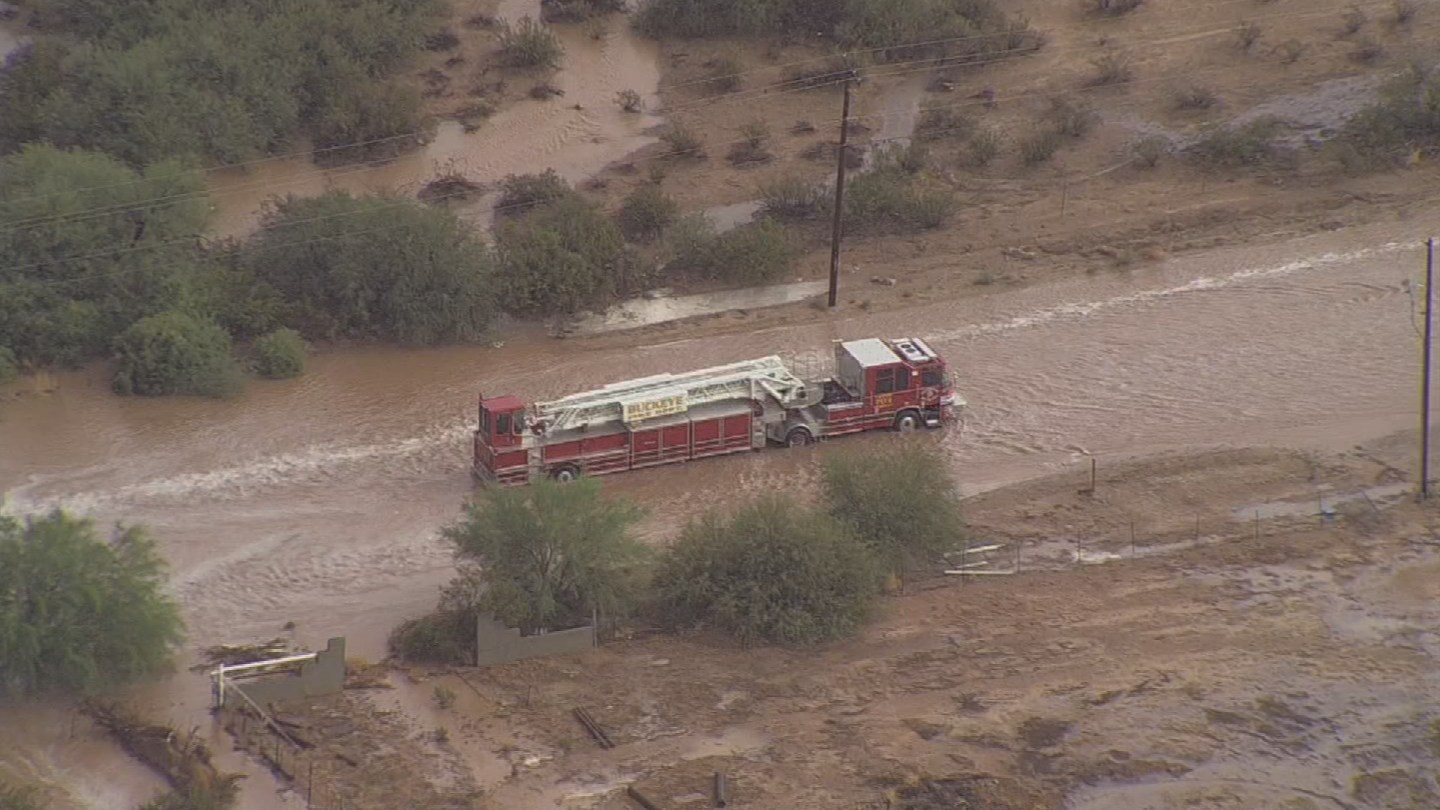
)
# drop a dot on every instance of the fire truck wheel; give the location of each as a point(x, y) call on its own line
point(798, 437)
point(907, 421)
point(565, 474)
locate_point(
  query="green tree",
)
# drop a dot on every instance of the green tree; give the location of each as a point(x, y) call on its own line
point(772, 572)
point(754, 253)
point(89, 246)
point(78, 612)
point(901, 501)
point(561, 257)
point(280, 354)
point(175, 353)
point(375, 267)
point(646, 213)
point(549, 554)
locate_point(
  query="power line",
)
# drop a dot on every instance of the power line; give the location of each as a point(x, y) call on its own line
point(731, 98)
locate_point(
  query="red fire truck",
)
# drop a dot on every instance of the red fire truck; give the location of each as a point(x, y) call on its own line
point(876, 384)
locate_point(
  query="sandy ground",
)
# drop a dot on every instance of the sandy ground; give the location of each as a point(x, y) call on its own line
point(1280, 664)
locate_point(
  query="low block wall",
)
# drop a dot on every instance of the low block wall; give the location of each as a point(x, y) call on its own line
point(497, 644)
point(323, 676)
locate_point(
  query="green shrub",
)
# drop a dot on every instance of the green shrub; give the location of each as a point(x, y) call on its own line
point(646, 213)
point(175, 353)
point(908, 485)
point(56, 310)
point(82, 612)
point(1232, 147)
point(280, 354)
point(1404, 119)
point(524, 192)
point(984, 147)
point(9, 366)
point(773, 572)
point(548, 556)
point(793, 197)
point(383, 120)
point(888, 197)
point(530, 44)
point(376, 267)
point(445, 637)
point(560, 258)
point(1039, 147)
point(755, 253)
point(683, 142)
point(943, 122)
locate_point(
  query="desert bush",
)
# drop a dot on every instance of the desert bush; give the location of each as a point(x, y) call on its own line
point(912, 158)
point(445, 637)
point(175, 353)
point(1194, 97)
point(520, 193)
point(443, 40)
point(1112, 67)
point(753, 143)
point(381, 121)
point(1039, 147)
point(58, 310)
point(545, 557)
point(1114, 8)
point(984, 147)
point(683, 141)
point(1403, 11)
point(907, 484)
point(541, 91)
point(220, 82)
point(772, 572)
point(560, 258)
point(1249, 145)
point(1069, 118)
point(1352, 21)
point(793, 197)
point(630, 101)
point(755, 253)
point(1151, 150)
point(943, 122)
point(82, 611)
point(390, 268)
point(1367, 50)
point(279, 354)
point(646, 213)
point(889, 198)
point(1405, 118)
point(1247, 34)
point(1290, 51)
point(9, 366)
point(530, 44)
point(724, 75)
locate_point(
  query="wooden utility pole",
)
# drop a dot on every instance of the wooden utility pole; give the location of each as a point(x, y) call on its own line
point(839, 193)
point(1425, 372)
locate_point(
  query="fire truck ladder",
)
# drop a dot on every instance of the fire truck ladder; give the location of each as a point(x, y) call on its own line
point(736, 381)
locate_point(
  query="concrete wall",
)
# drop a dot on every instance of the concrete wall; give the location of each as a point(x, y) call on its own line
point(497, 644)
point(323, 676)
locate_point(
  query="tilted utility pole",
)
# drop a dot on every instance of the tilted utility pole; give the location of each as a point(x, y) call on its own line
point(1425, 371)
point(839, 193)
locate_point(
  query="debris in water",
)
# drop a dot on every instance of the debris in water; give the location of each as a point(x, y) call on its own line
point(233, 654)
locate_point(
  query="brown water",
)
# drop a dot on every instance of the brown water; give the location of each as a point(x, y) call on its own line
point(531, 136)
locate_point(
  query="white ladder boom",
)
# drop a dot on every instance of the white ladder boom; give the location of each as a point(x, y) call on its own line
point(665, 394)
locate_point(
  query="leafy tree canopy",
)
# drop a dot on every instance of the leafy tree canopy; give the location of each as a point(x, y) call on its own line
point(381, 266)
point(78, 612)
point(548, 554)
point(772, 572)
point(90, 245)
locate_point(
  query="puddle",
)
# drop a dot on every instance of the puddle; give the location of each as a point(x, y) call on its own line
point(729, 217)
point(661, 307)
point(1380, 496)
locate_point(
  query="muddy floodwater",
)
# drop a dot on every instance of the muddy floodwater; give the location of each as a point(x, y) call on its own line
point(576, 134)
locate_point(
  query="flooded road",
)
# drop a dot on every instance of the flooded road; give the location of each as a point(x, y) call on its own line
point(316, 500)
point(575, 134)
